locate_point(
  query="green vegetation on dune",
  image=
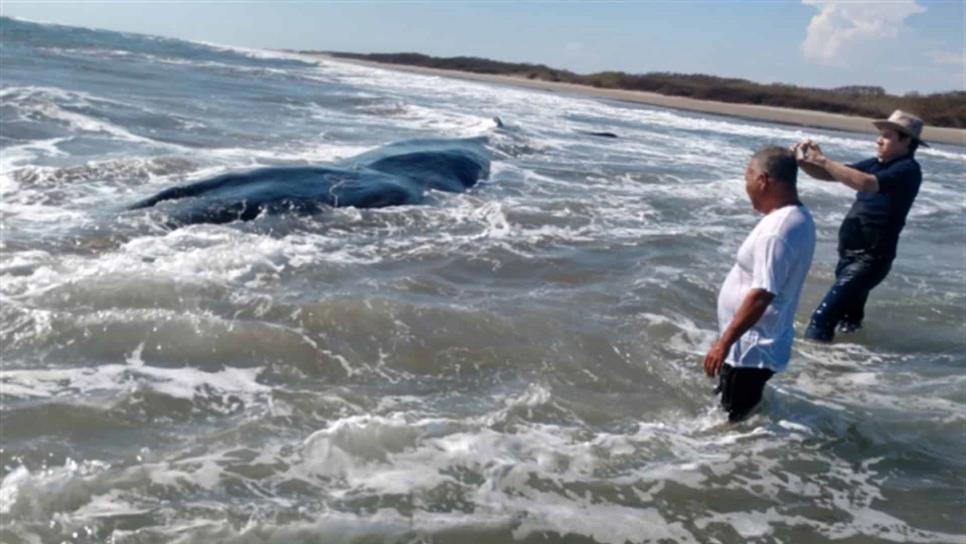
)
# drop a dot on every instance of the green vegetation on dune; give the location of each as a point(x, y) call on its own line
point(938, 109)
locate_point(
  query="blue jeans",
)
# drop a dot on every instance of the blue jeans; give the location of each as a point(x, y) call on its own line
point(855, 275)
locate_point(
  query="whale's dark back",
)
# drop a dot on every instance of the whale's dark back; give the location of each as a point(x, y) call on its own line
point(395, 174)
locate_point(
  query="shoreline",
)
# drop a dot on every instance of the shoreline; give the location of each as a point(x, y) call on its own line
point(753, 112)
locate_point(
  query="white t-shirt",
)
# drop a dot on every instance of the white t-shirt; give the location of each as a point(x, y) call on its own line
point(775, 257)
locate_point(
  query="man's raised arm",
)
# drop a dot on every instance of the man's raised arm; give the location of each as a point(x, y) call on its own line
point(817, 165)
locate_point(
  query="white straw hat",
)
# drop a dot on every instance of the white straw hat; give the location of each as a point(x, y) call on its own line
point(903, 122)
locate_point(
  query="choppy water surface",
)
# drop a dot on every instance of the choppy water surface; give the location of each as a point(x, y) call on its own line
point(518, 362)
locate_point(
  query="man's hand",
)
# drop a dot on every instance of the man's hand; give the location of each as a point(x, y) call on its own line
point(813, 162)
point(813, 154)
point(800, 148)
point(715, 358)
point(752, 307)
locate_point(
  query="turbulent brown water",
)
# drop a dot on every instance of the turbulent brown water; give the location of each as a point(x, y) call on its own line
point(520, 362)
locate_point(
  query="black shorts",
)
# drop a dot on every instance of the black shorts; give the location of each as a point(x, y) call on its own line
point(741, 389)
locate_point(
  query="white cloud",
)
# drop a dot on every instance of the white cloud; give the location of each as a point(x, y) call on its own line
point(841, 27)
point(947, 57)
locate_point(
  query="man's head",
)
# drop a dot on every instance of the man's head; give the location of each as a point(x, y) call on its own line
point(900, 134)
point(770, 179)
point(891, 144)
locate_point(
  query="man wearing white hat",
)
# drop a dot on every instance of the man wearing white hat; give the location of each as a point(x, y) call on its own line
point(887, 184)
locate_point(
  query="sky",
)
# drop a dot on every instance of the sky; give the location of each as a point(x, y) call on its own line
point(900, 45)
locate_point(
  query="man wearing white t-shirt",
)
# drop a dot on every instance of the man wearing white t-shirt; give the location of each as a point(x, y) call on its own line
point(757, 302)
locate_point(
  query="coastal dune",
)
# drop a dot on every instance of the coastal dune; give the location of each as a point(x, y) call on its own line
point(788, 116)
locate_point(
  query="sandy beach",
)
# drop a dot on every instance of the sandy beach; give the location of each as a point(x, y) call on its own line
point(787, 116)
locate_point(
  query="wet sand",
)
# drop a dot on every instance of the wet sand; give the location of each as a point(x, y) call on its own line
point(789, 116)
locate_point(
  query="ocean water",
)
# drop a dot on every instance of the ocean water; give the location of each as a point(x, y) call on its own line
point(517, 363)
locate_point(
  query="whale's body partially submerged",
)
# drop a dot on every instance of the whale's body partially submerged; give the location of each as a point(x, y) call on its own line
point(395, 174)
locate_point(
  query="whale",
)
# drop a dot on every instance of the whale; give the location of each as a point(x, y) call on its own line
point(600, 134)
point(397, 174)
